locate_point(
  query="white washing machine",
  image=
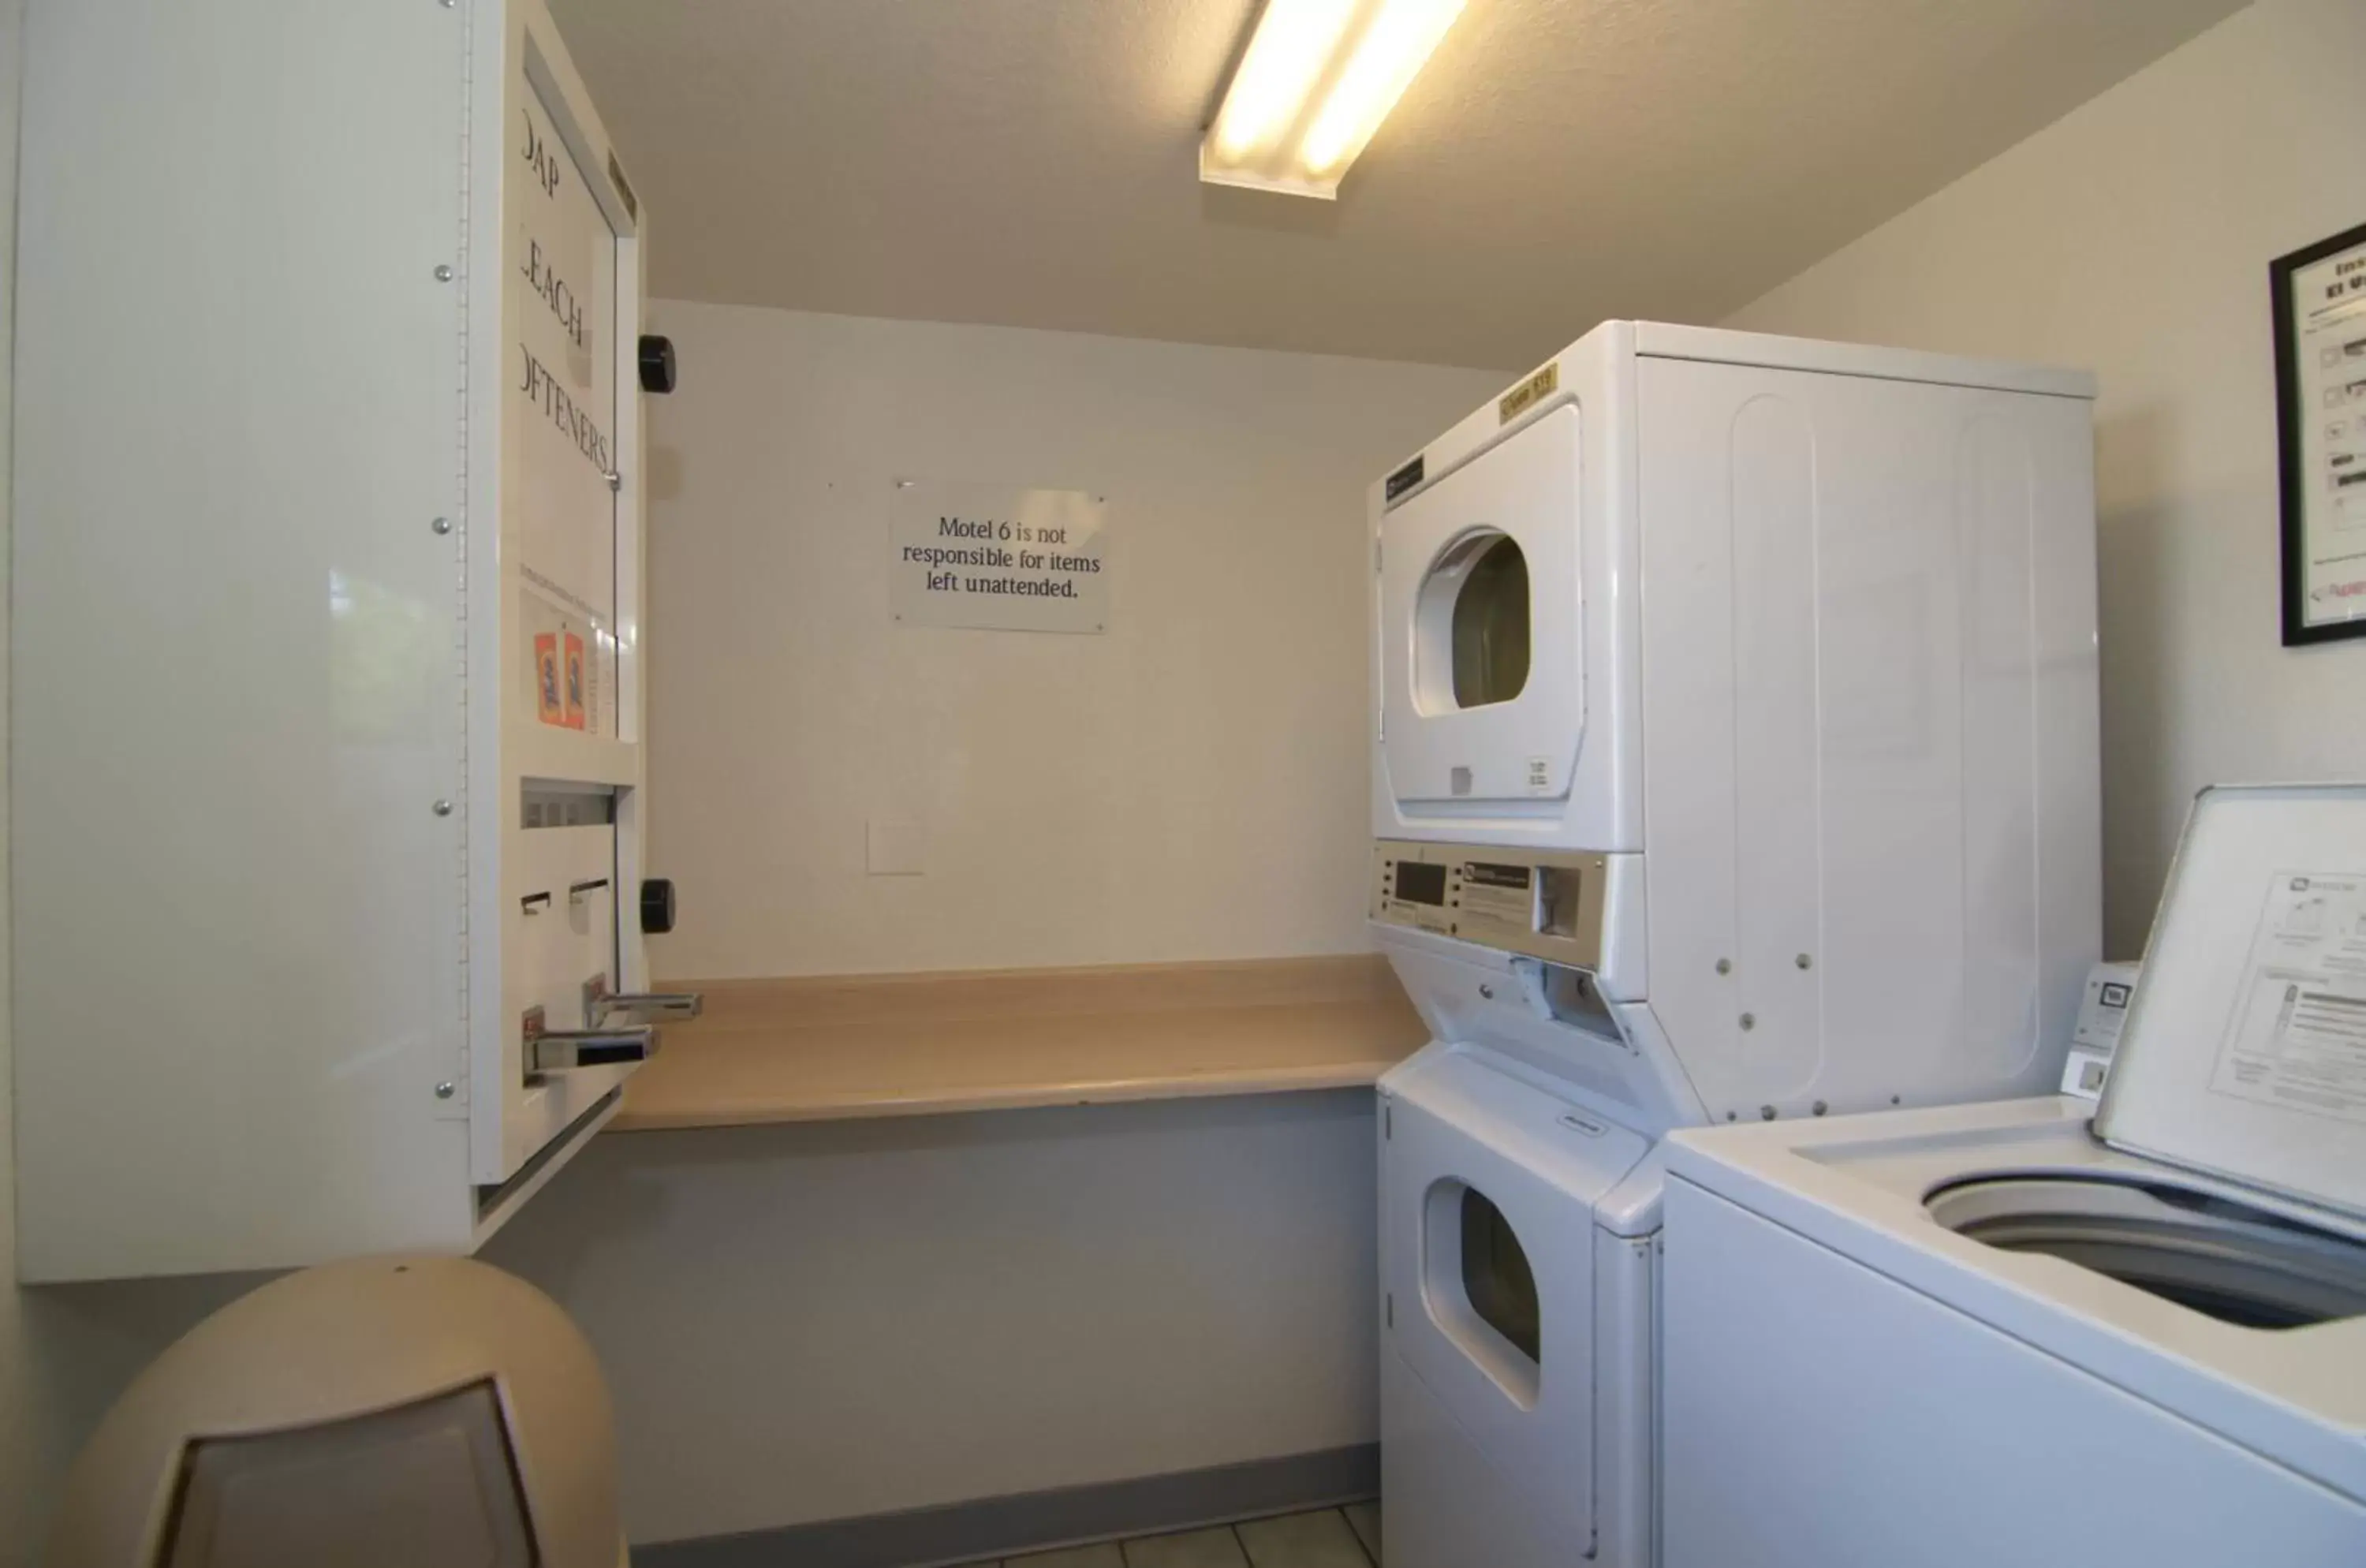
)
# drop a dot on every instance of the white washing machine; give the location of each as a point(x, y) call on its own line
point(1994, 1334)
point(1819, 832)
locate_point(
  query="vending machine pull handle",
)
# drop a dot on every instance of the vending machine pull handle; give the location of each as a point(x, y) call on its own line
point(666, 1005)
point(565, 1049)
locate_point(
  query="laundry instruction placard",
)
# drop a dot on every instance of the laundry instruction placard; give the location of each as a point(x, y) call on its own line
point(999, 557)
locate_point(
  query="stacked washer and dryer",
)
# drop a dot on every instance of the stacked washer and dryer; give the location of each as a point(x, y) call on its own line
point(1735, 760)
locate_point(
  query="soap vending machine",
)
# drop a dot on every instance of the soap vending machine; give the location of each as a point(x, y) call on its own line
point(328, 899)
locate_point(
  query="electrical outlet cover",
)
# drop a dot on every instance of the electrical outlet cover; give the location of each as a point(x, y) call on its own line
point(896, 846)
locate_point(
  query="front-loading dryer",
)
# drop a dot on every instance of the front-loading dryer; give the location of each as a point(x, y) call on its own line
point(1755, 679)
point(1517, 1258)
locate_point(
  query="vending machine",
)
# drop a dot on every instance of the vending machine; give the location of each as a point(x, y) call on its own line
point(326, 808)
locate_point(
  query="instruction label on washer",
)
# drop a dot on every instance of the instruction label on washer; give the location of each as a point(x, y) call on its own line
point(2298, 1036)
point(2111, 988)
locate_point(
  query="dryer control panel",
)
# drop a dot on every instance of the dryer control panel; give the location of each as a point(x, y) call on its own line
point(1545, 904)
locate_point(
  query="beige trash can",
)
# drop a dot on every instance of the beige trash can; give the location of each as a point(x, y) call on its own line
point(387, 1413)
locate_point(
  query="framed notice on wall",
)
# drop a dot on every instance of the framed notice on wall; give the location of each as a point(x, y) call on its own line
point(999, 557)
point(2320, 310)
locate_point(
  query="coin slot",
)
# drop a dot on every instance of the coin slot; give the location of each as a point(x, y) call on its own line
point(543, 805)
point(1556, 900)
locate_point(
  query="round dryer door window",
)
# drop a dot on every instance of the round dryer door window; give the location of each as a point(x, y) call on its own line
point(1480, 623)
point(1473, 624)
point(1481, 1289)
point(1496, 1279)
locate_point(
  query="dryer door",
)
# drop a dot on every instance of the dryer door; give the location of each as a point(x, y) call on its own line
point(1489, 1187)
point(1482, 677)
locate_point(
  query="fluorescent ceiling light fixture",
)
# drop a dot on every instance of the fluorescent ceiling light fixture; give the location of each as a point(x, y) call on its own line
point(1315, 82)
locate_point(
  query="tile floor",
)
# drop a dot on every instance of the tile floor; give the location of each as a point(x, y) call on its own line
point(1328, 1537)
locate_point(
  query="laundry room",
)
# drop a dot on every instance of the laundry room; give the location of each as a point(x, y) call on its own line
point(1184, 784)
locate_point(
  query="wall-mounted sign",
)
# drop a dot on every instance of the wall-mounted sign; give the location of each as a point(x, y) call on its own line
point(2320, 307)
point(999, 557)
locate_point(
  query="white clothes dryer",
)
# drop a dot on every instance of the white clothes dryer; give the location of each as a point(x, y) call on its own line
point(1987, 1334)
point(1827, 820)
point(1518, 1259)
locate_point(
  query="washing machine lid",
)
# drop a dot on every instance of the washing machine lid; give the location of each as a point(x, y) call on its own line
point(2244, 1052)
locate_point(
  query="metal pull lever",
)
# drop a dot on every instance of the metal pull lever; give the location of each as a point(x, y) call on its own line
point(661, 1005)
point(559, 1051)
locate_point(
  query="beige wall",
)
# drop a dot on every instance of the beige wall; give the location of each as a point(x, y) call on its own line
point(808, 1323)
point(1193, 785)
point(2133, 237)
point(16, 1423)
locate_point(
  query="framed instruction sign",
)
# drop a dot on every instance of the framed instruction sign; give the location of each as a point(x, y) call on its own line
point(999, 557)
point(2320, 310)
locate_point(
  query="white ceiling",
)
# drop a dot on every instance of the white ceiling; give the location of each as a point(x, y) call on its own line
point(1033, 161)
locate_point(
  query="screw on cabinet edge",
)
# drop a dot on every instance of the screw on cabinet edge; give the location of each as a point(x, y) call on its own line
point(1820, 1108)
point(441, 809)
point(441, 524)
point(1725, 966)
point(444, 275)
point(1766, 1114)
point(1804, 962)
point(446, 1089)
point(1750, 1020)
